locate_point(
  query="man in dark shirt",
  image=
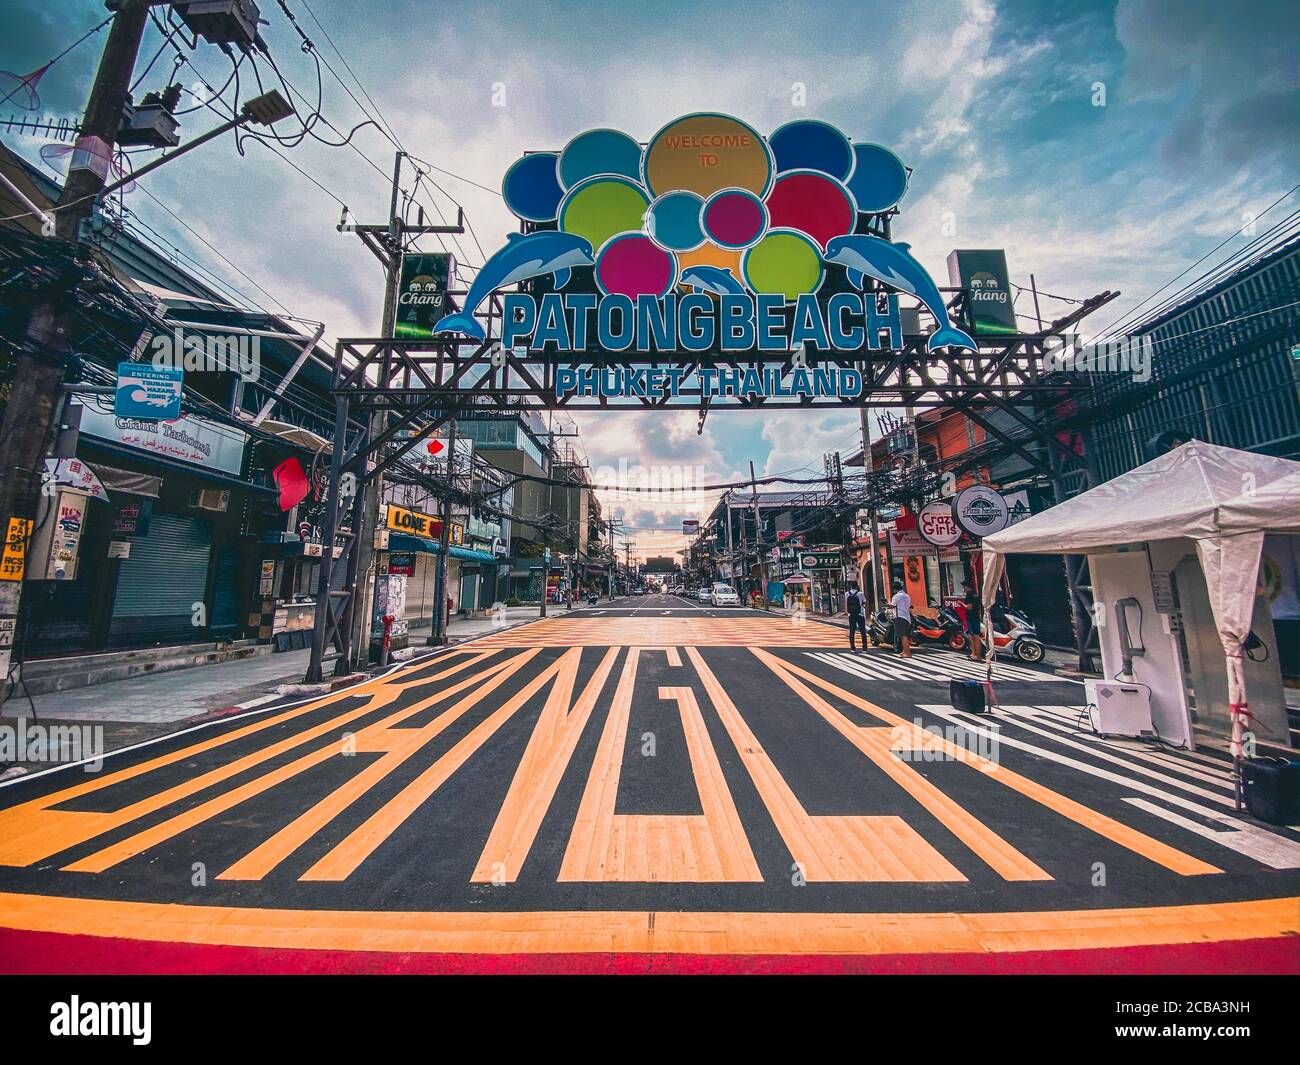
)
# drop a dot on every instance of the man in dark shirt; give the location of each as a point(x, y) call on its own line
point(857, 620)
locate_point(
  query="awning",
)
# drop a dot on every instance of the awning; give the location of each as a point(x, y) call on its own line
point(128, 481)
point(406, 542)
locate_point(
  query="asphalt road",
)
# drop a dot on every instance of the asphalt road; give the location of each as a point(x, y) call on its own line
point(648, 778)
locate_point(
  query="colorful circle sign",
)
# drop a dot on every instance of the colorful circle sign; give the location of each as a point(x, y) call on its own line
point(785, 262)
point(812, 145)
point(530, 188)
point(879, 177)
point(673, 221)
point(705, 153)
point(599, 151)
point(631, 264)
point(813, 203)
point(602, 206)
point(734, 218)
point(708, 254)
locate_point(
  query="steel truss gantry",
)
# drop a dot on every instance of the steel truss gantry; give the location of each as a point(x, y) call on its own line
point(421, 384)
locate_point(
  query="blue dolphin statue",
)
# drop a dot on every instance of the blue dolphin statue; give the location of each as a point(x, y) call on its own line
point(714, 279)
point(893, 265)
point(521, 258)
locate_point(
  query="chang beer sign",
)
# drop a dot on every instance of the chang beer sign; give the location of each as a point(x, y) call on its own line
point(711, 237)
point(422, 293)
point(984, 274)
point(820, 560)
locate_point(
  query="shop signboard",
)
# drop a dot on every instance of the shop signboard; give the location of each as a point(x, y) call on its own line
point(147, 392)
point(820, 560)
point(422, 292)
point(936, 526)
point(132, 517)
point(192, 441)
point(984, 274)
point(908, 543)
point(1017, 506)
point(402, 562)
point(690, 527)
point(75, 473)
point(980, 510)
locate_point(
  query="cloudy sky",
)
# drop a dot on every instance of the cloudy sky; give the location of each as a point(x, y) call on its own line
point(1102, 144)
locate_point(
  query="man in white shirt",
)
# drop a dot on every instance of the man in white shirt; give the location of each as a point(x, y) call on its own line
point(902, 604)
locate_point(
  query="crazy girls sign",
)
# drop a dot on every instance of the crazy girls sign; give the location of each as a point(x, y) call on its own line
point(711, 237)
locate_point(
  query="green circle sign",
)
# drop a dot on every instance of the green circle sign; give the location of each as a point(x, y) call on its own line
point(602, 206)
point(785, 262)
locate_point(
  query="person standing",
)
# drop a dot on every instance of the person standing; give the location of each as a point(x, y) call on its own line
point(974, 620)
point(857, 620)
point(902, 604)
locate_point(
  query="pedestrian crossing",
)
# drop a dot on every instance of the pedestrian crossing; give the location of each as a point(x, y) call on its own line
point(940, 666)
point(1191, 790)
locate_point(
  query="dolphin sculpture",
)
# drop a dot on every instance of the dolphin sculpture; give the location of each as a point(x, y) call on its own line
point(863, 255)
point(714, 279)
point(521, 258)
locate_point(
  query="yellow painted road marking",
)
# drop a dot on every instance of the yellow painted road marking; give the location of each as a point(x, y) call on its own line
point(341, 861)
point(827, 848)
point(540, 770)
point(648, 632)
point(711, 847)
point(33, 830)
point(660, 932)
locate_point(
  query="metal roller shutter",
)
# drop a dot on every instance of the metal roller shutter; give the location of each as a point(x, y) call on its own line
point(159, 584)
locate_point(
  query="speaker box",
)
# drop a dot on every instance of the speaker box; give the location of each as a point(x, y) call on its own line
point(968, 695)
point(1271, 788)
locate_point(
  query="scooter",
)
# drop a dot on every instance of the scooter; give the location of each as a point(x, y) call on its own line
point(1019, 636)
point(944, 629)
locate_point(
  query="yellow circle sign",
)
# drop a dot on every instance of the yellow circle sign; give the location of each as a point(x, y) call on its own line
point(705, 153)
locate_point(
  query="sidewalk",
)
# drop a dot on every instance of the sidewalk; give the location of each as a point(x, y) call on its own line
point(161, 699)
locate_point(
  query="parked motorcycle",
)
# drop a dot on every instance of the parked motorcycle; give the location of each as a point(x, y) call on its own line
point(944, 629)
point(1013, 633)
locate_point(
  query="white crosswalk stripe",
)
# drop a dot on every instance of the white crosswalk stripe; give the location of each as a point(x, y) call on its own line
point(932, 666)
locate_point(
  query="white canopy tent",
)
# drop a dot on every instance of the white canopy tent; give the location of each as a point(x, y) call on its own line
point(1222, 499)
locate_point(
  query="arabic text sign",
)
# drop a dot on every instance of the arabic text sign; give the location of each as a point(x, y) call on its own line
point(189, 440)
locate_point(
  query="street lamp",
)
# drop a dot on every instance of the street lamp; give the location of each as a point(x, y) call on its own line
point(263, 110)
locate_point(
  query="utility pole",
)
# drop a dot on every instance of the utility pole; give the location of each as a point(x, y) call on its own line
point(438, 637)
point(731, 551)
point(386, 244)
point(36, 393)
point(627, 564)
point(758, 540)
point(869, 468)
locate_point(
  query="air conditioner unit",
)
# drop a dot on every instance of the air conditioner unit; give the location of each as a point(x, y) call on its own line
point(211, 499)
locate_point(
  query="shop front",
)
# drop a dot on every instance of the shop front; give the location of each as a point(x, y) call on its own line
point(165, 549)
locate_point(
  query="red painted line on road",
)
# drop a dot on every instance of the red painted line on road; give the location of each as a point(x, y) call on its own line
point(47, 953)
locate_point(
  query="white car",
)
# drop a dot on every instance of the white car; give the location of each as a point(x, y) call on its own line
point(724, 595)
point(703, 595)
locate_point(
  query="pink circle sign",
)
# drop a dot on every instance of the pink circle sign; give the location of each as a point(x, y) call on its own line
point(631, 264)
point(734, 218)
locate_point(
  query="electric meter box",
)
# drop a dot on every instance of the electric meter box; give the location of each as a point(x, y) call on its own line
point(1119, 708)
